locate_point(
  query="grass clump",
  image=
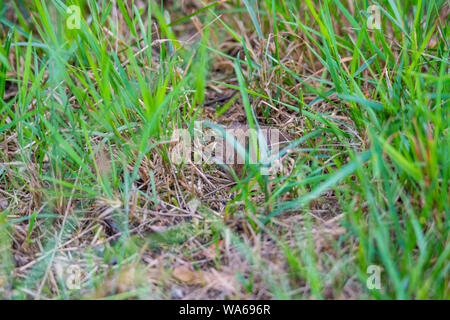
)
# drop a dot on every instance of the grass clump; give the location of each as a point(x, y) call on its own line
point(88, 183)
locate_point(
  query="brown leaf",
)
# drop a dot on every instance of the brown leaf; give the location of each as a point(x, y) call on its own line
point(222, 281)
point(187, 275)
point(211, 251)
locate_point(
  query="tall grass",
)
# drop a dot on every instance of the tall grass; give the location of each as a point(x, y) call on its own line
point(104, 93)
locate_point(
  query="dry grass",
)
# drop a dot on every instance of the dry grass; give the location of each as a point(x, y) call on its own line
point(188, 231)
